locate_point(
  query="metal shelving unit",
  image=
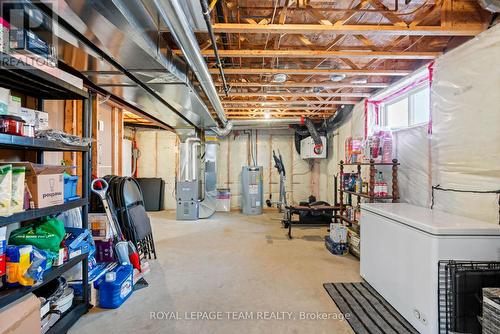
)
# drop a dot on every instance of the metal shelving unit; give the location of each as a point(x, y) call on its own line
point(10, 295)
point(370, 195)
point(28, 143)
point(39, 213)
point(23, 78)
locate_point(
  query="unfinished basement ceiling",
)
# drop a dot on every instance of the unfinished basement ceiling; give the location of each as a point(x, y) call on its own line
point(292, 58)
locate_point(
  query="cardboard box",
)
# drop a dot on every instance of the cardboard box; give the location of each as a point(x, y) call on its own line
point(22, 316)
point(41, 120)
point(4, 36)
point(100, 226)
point(4, 100)
point(45, 182)
point(28, 115)
point(14, 106)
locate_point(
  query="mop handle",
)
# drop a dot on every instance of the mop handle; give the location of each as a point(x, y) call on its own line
point(102, 195)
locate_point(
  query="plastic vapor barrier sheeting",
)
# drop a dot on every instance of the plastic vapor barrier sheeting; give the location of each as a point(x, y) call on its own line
point(466, 126)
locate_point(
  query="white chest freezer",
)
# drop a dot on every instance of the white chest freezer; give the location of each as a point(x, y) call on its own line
point(401, 246)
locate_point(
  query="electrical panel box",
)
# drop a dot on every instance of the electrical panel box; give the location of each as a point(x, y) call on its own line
point(187, 200)
point(307, 148)
point(252, 194)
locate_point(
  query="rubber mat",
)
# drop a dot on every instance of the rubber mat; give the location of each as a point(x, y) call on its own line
point(368, 311)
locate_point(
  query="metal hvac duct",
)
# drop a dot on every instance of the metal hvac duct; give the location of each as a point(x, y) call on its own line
point(115, 44)
point(171, 12)
point(490, 5)
point(271, 123)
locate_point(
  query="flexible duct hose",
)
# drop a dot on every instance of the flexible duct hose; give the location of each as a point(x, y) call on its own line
point(318, 143)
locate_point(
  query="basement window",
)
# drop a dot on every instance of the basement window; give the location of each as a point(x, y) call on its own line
point(410, 109)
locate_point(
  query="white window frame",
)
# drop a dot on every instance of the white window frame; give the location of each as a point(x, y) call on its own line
point(410, 97)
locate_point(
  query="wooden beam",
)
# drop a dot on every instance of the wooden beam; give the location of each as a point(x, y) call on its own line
point(299, 94)
point(278, 102)
point(471, 29)
point(95, 136)
point(305, 85)
point(391, 16)
point(283, 113)
point(286, 115)
point(251, 109)
point(241, 71)
point(70, 126)
point(117, 140)
point(321, 54)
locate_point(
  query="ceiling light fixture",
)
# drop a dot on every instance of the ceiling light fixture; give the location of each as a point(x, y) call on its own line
point(267, 115)
point(280, 78)
point(337, 77)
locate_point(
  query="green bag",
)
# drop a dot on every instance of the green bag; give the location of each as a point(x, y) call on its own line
point(46, 234)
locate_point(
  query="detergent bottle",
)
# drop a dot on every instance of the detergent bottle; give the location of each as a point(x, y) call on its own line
point(116, 286)
point(18, 261)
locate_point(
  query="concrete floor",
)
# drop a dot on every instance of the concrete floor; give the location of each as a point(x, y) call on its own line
point(232, 263)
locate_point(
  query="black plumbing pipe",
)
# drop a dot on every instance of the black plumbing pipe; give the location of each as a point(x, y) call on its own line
point(206, 16)
point(318, 143)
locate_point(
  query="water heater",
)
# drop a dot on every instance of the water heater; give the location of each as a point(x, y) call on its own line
point(252, 194)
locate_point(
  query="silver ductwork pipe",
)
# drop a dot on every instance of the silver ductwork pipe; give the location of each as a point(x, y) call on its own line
point(272, 123)
point(175, 19)
point(188, 159)
point(194, 160)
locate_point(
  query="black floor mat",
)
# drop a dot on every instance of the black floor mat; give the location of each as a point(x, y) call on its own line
point(368, 311)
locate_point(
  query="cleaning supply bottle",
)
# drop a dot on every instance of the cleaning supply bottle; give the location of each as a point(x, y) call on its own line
point(18, 260)
point(359, 184)
point(382, 186)
point(115, 288)
point(378, 180)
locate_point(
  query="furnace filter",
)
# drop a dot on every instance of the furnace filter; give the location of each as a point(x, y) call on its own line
point(251, 190)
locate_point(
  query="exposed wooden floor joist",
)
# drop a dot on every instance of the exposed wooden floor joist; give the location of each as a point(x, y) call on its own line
point(305, 84)
point(305, 71)
point(297, 94)
point(247, 28)
point(322, 54)
point(277, 102)
point(324, 50)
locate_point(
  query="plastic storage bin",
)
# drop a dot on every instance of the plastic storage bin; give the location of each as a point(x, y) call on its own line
point(223, 200)
point(336, 248)
point(70, 183)
point(115, 288)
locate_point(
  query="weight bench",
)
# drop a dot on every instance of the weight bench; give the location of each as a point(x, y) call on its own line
point(309, 216)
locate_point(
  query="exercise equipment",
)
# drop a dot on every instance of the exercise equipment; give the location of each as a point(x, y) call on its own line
point(278, 164)
point(311, 214)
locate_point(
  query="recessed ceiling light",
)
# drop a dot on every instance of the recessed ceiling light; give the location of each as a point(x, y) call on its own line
point(337, 77)
point(280, 77)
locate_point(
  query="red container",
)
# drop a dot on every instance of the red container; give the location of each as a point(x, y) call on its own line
point(2, 264)
point(12, 125)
